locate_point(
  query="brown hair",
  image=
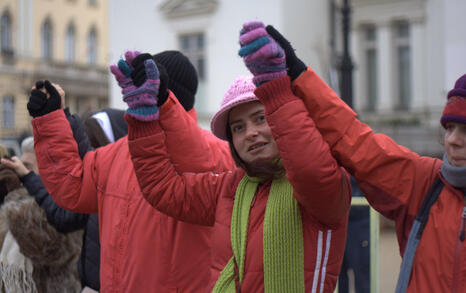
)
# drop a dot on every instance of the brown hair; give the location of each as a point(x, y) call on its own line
point(266, 170)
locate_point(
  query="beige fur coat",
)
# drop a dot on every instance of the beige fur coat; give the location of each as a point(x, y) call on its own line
point(34, 257)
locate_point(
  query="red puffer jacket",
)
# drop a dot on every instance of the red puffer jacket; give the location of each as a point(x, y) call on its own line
point(142, 250)
point(395, 181)
point(320, 186)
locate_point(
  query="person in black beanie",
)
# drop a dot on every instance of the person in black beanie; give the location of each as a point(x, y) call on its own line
point(142, 250)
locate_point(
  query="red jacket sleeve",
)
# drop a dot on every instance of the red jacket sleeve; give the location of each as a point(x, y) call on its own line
point(321, 186)
point(70, 180)
point(188, 196)
point(177, 163)
point(190, 147)
point(392, 178)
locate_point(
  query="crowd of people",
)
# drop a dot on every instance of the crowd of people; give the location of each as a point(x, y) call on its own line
point(144, 200)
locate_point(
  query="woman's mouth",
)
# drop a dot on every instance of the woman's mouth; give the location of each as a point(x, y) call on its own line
point(256, 147)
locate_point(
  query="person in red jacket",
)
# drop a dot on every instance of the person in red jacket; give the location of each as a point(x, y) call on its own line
point(280, 218)
point(426, 197)
point(142, 250)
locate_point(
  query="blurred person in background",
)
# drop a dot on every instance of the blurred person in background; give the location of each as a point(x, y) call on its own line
point(142, 250)
point(34, 256)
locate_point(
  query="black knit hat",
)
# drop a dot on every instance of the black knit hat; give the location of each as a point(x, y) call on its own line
point(182, 76)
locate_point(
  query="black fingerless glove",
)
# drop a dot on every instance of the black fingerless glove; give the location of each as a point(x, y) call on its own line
point(38, 103)
point(294, 64)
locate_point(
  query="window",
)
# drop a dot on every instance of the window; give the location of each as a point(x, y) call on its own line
point(403, 63)
point(47, 39)
point(8, 112)
point(370, 55)
point(193, 46)
point(5, 31)
point(70, 43)
point(92, 47)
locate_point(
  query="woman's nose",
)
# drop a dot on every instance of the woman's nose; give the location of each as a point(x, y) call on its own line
point(251, 131)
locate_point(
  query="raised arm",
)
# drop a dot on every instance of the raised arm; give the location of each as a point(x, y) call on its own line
point(191, 148)
point(189, 196)
point(320, 184)
point(63, 220)
point(165, 184)
point(393, 178)
point(69, 179)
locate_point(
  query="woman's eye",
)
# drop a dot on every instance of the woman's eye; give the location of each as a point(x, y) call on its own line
point(236, 128)
point(449, 126)
point(261, 118)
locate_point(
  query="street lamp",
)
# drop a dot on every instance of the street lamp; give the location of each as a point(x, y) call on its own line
point(346, 64)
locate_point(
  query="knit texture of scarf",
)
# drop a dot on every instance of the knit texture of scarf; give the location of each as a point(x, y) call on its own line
point(282, 238)
point(456, 176)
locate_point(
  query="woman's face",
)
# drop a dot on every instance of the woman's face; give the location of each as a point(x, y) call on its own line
point(455, 143)
point(252, 137)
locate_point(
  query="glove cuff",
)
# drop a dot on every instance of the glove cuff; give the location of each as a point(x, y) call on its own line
point(138, 128)
point(144, 113)
point(275, 93)
point(263, 78)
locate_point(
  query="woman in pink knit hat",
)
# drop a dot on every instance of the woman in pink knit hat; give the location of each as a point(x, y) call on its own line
point(280, 218)
point(426, 197)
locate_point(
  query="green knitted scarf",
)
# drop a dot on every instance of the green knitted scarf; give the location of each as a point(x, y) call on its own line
point(282, 238)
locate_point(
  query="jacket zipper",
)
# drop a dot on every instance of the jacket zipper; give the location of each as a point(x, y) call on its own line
point(458, 264)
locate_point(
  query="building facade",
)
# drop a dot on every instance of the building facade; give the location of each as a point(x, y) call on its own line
point(406, 53)
point(208, 32)
point(64, 41)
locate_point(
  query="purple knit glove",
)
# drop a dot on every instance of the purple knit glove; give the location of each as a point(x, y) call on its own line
point(264, 58)
point(142, 100)
point(122, 70)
